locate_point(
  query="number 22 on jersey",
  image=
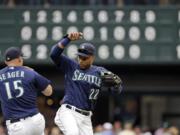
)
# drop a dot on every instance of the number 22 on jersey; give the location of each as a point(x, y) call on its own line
point(16, 87)
point(93, 94)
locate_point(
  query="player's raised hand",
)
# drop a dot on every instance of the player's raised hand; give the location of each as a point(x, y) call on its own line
point(75, 35)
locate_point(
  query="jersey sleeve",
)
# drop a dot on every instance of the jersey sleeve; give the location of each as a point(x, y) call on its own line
point(61, 61)
point(102, 70)
point(41, 82)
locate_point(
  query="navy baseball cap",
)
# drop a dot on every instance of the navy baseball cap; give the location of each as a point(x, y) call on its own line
point(12, 53)
point(86, 49)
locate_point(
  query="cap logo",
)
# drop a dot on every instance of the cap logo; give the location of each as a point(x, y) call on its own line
point(12, 53)
point(83, 47)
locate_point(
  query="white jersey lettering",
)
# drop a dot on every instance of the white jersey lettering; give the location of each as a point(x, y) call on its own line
point(86, 77)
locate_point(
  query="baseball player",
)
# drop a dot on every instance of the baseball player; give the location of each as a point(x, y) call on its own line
point(82, 86)
point(18, 91)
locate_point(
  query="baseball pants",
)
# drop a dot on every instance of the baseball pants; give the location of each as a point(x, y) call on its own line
point(71, 122)
point(34, 125)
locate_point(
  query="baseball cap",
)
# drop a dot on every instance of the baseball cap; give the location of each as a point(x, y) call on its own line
point(12, 53)
point(86, 49)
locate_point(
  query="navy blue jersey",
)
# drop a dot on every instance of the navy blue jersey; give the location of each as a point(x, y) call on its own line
point(18, 91)
point(82, 87)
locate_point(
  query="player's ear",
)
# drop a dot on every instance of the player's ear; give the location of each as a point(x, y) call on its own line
point(19, 59)
point(93, 57)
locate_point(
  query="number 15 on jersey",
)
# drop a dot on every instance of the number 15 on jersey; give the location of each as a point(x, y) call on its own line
point(16, 87)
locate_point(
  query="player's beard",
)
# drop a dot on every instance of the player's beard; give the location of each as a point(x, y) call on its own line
point(84, 66)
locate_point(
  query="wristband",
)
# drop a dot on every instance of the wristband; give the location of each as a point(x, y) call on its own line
point(65, 41)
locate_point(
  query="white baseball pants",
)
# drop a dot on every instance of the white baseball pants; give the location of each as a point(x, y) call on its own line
point(34, 125)
point(71, 122)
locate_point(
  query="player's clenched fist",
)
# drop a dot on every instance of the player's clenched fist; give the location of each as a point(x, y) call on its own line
point(75, 35)
point(69, 37)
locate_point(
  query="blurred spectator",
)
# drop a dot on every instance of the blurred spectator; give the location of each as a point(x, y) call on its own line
point(98, 130)
point(117, 127)
point(166, 130)
point(159, 131)
point(146, 130)
point(128, 130)
point(138, 130)
point(147, 133)
point(173, 130)
point(108, 129)
point(163, 130)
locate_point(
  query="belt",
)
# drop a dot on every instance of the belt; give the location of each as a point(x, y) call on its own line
point(23, 118)
point(86, 113)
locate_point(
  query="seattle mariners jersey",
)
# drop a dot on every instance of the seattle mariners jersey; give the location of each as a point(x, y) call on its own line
point(81, 86)
point(18, 91)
